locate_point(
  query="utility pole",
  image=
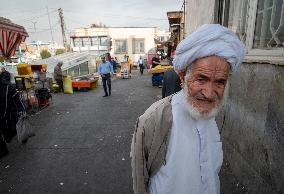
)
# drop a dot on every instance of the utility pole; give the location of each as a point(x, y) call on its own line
point(50, 25)
point(62, 24)
point(34, 25)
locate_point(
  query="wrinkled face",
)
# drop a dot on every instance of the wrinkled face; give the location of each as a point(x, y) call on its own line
point(206, 83)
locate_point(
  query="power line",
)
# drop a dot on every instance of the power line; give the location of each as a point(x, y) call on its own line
point(33, 17)
point(119, 15)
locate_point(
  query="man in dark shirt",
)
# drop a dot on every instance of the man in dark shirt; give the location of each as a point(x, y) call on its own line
point(171, 83)
point(155, 61)
point(58, 76)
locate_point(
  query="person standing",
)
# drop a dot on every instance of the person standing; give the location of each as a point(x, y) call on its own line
point(171, 83)
point(114, 64)
point(176, 145)
point(155, 61)
point(58, 76)
point(106, 72)
point(10, 107)
point(141, 65)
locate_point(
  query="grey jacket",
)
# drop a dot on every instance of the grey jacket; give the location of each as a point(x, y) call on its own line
point(149, 143)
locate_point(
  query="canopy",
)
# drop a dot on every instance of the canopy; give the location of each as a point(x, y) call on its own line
point(11, 36)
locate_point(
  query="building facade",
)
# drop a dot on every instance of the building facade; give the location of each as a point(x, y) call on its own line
point(252, 122)
point(118, 41)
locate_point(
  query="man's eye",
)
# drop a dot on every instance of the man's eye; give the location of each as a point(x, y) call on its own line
point(221, 82)
point(200, 79)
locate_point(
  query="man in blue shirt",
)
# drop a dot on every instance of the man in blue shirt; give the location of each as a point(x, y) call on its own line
point(106, 71)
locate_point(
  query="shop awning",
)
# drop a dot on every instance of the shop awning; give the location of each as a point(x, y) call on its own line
point(11, 36)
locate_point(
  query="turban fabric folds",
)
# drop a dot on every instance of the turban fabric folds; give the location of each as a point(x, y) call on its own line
point(209, 40)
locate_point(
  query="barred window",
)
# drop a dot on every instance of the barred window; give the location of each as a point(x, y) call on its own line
point(269, 29)
point(260, 25)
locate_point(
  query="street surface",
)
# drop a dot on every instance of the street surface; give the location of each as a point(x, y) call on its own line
point(82, 142)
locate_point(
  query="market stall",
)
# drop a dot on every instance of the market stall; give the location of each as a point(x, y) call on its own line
point(86, 82)
point(158, 73)
point(11, 36)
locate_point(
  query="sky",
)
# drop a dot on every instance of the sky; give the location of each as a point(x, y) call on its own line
point(32, 14)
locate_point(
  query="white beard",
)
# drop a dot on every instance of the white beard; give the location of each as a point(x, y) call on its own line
point(193, 111)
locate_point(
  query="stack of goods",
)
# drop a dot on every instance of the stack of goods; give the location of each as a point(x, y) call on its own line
point(160, 69)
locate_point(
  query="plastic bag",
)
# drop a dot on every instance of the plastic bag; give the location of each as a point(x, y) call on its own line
point(24, 129)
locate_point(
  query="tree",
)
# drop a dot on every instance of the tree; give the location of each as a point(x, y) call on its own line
point(45, 54)
point(59, 51)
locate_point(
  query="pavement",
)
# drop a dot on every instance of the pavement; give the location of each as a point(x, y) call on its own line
point(82, 142)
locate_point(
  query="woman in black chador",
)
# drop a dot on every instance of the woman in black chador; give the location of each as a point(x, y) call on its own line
point(10, 106)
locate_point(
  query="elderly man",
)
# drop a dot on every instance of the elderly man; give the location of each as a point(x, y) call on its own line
point(58, 76)
point(176, 145)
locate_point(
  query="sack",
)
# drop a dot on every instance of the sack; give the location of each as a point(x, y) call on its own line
point(24, 129)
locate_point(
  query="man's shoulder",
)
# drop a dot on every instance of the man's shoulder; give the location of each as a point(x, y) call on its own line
point(157, 109)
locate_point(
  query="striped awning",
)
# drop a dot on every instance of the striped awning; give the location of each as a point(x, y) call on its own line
point(11, 36)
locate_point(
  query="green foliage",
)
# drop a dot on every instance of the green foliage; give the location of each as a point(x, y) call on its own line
point(45, 54)
point(59, 51)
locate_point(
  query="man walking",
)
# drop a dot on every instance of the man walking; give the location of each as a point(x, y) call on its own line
point(176, 145)
point(141, 65)
point(106, 72)
point(58, 76)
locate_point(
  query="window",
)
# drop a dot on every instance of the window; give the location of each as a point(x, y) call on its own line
point(94, 41)
point(84, 69)
point(120, 46)
point(259, 24)
point(104, 41)
point(86, 42)
point(269, 29)
point(138, 46)
point(238, 18)
point(77, 42)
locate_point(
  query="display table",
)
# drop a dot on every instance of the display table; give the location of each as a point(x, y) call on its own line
point(89, 84)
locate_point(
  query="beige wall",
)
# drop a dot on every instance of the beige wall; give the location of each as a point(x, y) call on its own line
point(148, 34)
point(198, 12)
point(128, 33)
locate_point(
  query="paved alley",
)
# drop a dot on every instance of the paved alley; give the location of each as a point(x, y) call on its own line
point(82, 142)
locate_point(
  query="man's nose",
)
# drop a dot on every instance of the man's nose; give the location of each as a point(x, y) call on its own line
point(208, 91)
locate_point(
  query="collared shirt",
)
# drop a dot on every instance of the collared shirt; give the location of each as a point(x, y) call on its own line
point(194, 155)
point(105, 68)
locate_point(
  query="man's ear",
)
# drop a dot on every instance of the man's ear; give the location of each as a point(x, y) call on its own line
point(181, 76)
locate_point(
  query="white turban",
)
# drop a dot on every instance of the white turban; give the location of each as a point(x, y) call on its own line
point(208, 40)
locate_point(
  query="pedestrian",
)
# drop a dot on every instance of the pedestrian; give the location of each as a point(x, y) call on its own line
point(155, 61)
point(106, 72)
point(171, 83)
point(176, 145)
point(114, 64)
point(58, 76)
point(141, 65)
point(10, 107)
